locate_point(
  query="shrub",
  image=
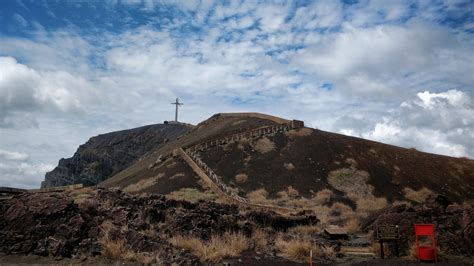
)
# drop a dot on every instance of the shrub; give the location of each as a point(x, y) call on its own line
point(117, 248)
point(366, 205)
point(294, 249)
point(323, 196)
point(289, 166)
point(341, 210)
point(218, 247)
point(192, 195)
point(241, 178)
point(417, 195)
point(259, 239)
point(352, 225)
point(258, 196)
point(306, 229)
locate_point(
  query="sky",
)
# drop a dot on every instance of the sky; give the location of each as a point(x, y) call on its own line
point(398, 72)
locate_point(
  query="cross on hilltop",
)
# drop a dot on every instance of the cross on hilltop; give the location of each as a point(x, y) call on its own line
point(177, 103)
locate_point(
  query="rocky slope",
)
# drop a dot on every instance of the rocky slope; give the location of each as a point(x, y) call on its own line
point(105, 155)
point(90, 222)
point(303, 168)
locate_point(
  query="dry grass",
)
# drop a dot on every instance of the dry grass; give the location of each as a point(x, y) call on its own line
point(306, 229)
point(258, 196)
point(417, 195)
point(366, 205)
point(323, 196)
point(259, 239)
point(302, 132)
point(117, 248)
point(323, 213)
point(341, 210)
point(294, 249)
point(412, 251)
point(289, 166)
point(192, 195)
point(264, 145)
point(292, 192)
point(351, 181)
point(241, 178)
point(352, 225)
point(176, 176)
point(217, 248)
point(327, 251)
point(143, 184)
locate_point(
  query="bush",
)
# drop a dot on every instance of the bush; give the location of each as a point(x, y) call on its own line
point(218, 247)
point(294, 249)
point(259, 239)
point(352, 225)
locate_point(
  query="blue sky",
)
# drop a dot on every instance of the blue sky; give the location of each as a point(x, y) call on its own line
point(398, 72)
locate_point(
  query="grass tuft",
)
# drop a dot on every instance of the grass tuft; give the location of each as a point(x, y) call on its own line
point(217, 248)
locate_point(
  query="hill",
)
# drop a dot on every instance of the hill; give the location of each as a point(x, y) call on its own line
point(299, 168)
point(105, 155)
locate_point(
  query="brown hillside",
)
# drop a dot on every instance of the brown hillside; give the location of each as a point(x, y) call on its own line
point(303, 168)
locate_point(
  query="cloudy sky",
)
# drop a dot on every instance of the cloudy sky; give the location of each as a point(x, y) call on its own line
point(399, 72)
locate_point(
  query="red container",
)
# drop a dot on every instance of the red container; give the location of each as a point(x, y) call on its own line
point(426, 253)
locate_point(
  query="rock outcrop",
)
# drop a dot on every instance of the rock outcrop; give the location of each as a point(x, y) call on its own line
point(104, 155)
point(454, 223)
point(69, 224)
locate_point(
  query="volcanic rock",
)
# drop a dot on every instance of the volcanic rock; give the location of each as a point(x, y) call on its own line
point(103, 156)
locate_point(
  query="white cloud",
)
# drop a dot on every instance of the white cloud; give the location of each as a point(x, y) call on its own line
point(440, 123)
point(23, 174)
point(13, 155)
point(23, 89)
point(390, 60)
point(320, 14)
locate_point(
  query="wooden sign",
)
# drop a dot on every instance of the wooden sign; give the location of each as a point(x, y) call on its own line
point(388, 232)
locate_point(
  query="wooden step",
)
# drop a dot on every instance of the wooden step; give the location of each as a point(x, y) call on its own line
point(357, 251)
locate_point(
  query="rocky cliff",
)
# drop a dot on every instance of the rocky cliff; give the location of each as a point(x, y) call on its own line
point(103, 156)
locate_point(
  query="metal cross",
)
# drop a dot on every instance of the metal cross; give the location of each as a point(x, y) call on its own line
point(177, 103)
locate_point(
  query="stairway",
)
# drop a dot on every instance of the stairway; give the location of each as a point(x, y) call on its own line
point(358, 246)
point(190, 155)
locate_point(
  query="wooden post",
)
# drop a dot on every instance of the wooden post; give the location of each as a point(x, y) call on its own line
point(381, 248)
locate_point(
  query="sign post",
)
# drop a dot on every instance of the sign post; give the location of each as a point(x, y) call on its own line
point(388, 233)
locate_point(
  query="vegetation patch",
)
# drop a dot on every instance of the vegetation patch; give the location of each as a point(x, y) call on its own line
point(241, 178)
point(116, 248)
point(302, 132)
point(177, 175)
point(289, 166)
point(192, 195)
point(214, 250)
point(352, 225)
point(294, 249)
point(259, 239)
point(367, 205)
point(323, 196)
point(417, 195)
point(264, 145)
point(258, 196)
point(351, 181)
point(143, 184)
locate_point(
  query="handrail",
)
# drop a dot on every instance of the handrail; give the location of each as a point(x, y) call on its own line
point(204, 171)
